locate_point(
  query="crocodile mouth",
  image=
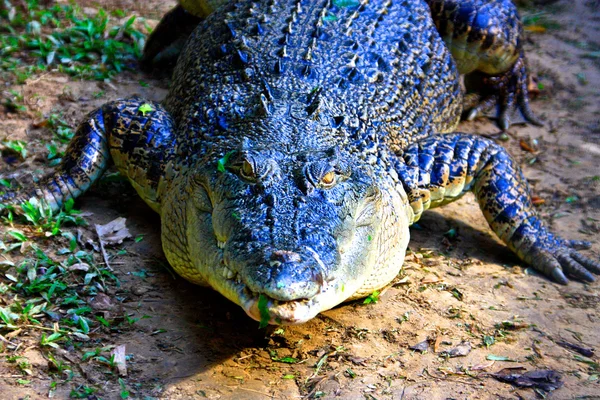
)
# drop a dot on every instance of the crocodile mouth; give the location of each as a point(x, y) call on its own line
point(265, 309)
point(278, 312)
point(290, 305)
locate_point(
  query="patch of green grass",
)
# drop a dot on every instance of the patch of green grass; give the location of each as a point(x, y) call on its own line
point(572, 199)
point(51, 339)
point(286, 360)
point(47, 287)
point(58, 365)
point(82, 392)
point(21, 363)
point(15, 146)
point(488, 340)
point(14, 101)
point(582, 78)
point(49, 223)
point(124, 391)
point(61, 130)
point(329, 18)
point(372, 298)
point(62, 133)
point(36, 38)
point(47, 294)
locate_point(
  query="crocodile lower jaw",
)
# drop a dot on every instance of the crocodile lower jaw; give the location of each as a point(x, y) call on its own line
point(280, 312)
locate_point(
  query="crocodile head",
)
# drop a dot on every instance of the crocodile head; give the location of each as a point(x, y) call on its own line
point(287, 234)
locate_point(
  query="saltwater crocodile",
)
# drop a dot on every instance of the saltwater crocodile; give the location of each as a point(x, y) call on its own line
point(301, 139)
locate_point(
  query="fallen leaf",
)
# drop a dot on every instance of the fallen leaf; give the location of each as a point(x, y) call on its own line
point(402, 281)
point(537, 201)
point(79, 267)
point(588, 352)
point(6, 263)
point(81, 336)
point(533, 87)
point(357, 360)
point(537, 350)
point(514, 325)
point(422, 346)
point(13, 334)
point(482, 366)
point(459, 351)
point(526, 146)
point(587, 361)
point(436, 345)
point(493, 357)
point(83, 241)
point(535, 29)
point(114, 232)
point(456, 293)
point(41, 124)
point(544, 379)
point(430, 279)
point(119, 360)
point(102, 303)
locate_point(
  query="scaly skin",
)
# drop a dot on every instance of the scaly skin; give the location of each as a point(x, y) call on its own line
point(139, 144)
point(485, 39)
point(441, 169)
point(298, 143)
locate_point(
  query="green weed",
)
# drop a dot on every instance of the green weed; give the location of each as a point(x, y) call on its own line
point(15, 146)
point(372, 298)
point(36, 38)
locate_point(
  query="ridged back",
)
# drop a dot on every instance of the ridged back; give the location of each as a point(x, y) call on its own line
point(314, 74)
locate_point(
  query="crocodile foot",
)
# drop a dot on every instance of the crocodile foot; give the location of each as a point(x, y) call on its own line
point(555, 257)
point(166, 41)
point(507, 92)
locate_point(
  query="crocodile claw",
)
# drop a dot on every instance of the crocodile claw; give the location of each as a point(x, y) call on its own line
point(552, 255)
point(507, 92)
point(579, 244)
point(565, 261)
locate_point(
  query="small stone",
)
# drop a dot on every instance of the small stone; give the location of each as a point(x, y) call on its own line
point(139, 290)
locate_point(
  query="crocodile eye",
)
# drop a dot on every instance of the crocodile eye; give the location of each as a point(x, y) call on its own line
point(328, 179)
point(247, 170)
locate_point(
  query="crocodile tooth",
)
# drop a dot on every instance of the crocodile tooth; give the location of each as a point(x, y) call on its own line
point(227, 273)
point(220, 244)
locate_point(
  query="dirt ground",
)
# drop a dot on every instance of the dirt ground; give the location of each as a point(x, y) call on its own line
point(196, 344)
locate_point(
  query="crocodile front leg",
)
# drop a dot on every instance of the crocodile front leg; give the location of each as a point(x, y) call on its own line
point(136, 134)
point(440, 169)
point(485, 39)
point(168, 38)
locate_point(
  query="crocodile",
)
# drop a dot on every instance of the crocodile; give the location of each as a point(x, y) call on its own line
point(300, 139)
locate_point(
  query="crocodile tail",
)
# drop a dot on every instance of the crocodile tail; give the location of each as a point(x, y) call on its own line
point(86, 158)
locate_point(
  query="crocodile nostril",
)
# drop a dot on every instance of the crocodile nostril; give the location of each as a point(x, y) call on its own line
point(286, 275)
point(285, 256)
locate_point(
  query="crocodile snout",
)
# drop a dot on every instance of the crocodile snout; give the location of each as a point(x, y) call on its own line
point(291, 276)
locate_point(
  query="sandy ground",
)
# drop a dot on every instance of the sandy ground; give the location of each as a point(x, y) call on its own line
point(196, 344)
